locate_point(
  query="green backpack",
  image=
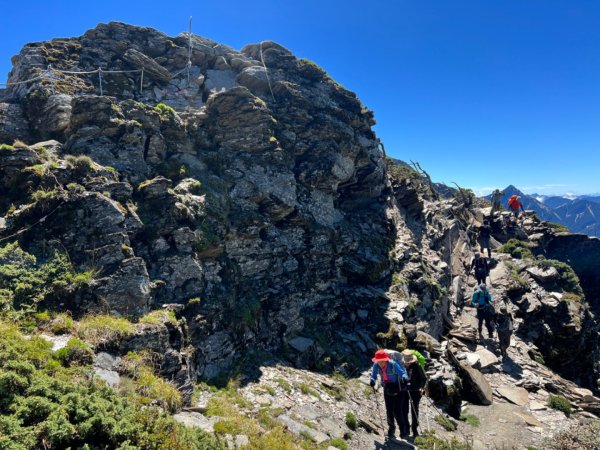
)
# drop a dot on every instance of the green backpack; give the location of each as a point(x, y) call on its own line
point(420, 357)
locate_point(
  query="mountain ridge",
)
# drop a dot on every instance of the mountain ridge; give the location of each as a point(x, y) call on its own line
point(579, 215)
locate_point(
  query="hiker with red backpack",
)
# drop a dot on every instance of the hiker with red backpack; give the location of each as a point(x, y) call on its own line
point(514, 204)
point(393, 376)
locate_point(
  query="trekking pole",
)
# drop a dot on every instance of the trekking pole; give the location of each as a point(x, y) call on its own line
point(412, 406)
point(377, 407)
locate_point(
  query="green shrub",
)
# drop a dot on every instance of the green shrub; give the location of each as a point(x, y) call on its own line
point(557, 227)
point(166, 113)
point(560, 403)
point(158, 317)
point(307, 390)
point(471, 419)
point(6, 148)
point(133, 362)
point(81, 165)
point(401, 172)
point(61, 323)
point(196, 188)
point(42, 195)
point(156, 390)
point(75, 188)
point(38, 169)
point(285, 385)
point(311, 70)
point(84, 278)
point(102, 328)
point(445, 422)
point(339, 443)
point(429, 441)
point(26, 281)
point(351, 421)
point(76, 352)
point(44, 405)
point(517, 249)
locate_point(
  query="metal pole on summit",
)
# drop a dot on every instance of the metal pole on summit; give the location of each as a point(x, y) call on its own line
point(100, 80)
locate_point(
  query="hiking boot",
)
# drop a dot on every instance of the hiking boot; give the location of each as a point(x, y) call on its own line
point(391, 434)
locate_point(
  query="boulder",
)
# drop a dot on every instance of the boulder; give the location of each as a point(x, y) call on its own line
point(13, 124)
point(151, 68)
point(477, 384)
point(543, 274)
point(486, 358)
point(300, 343)
point(516, 395)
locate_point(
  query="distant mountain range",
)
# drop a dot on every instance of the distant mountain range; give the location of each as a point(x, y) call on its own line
point(581, 214)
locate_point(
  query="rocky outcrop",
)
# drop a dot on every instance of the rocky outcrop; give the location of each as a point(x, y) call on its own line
point(266, 202)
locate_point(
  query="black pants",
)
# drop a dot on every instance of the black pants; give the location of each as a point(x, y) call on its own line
point(393, 407)
point(480, 276)
point(504, 340)
point(415, 397)
point(484, 243)
point(484, 315)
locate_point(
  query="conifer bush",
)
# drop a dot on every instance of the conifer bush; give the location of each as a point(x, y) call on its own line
point(44, 404)
point(560, 403)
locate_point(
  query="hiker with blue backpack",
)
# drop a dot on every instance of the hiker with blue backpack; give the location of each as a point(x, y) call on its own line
point(393, 377)
point(485, 309)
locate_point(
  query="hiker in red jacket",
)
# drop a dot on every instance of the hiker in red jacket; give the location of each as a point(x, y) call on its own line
point(514, 204)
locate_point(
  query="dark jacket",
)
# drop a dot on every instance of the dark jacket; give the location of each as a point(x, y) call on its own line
point(416, 376)
point(504, 323)
point(480, 265)
point(485, 232)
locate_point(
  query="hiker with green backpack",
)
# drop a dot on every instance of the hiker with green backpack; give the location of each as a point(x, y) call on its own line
point(485, 309)
point(417, 379)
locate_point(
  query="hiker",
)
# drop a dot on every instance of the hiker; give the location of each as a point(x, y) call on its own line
point(514, 203)
point(480, 265)
point(504, 326)
point(417, 379)
point(484, 236)
point(496, 201)
point(485, 309)
point(392, 375)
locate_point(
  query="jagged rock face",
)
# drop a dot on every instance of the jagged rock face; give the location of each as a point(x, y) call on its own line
point(266, 201)
point(582, 253)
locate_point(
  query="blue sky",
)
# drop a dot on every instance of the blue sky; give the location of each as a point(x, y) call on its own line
point(481, 93)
